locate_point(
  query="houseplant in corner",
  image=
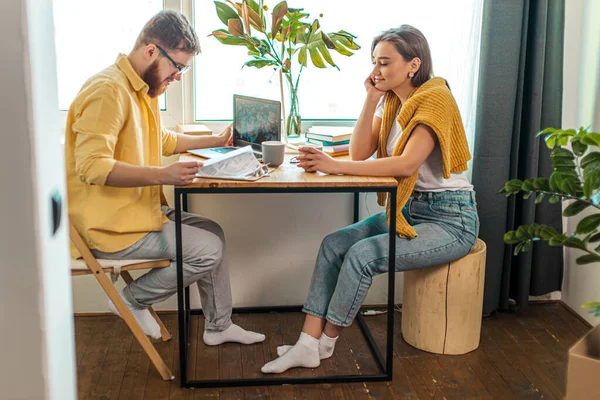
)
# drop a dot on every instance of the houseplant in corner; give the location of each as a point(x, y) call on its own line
point(279, 39)
point(576, 180)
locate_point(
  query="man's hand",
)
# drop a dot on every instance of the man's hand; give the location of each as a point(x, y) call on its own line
point(180, 173)
point(226, 136)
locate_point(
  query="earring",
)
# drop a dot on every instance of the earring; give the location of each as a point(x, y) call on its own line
point(411, 74)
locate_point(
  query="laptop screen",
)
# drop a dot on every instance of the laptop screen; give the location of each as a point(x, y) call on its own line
point(255, 121)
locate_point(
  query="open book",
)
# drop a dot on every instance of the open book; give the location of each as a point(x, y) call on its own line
point(240, 164)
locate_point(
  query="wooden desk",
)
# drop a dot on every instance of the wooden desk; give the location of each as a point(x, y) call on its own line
point(287, 178)
point(289, 175)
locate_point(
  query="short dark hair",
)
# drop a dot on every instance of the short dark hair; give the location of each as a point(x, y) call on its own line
point(410, 43)
point(170, 30)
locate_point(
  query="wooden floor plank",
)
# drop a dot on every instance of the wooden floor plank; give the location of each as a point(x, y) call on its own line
point(253, 357)
point(530, 370)
point(577, 326)
point(271, 329)
point(401, 386)
point(521, 356)
point(115, 362)
point(206, 363)
point(176, 392)
point(156, 388)
point(92, 362)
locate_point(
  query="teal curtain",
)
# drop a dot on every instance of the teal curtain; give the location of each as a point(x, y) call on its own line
point(520, 93)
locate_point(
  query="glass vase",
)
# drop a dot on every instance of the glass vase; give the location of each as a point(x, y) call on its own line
point(293, 120)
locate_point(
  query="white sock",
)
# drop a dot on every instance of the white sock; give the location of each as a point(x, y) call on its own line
point(326, 347)
point(232, 334)
point(141, 315)
point(305, 353)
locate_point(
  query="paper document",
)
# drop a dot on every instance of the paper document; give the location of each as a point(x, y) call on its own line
point(240, 164)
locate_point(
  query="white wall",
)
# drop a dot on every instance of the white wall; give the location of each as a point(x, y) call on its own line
point(36, 339)
point(581, 107)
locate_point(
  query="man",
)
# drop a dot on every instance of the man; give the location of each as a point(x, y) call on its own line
point(114, 141)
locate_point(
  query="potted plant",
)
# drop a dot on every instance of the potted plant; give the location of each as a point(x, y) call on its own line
point(576, 180)
point(284, 36)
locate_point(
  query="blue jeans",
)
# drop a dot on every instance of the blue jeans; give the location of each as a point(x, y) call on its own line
point(447, 226)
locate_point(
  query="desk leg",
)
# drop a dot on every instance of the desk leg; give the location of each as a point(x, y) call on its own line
point(356, 205)
point(184, 208)
point(181, 310)
point(391, 287)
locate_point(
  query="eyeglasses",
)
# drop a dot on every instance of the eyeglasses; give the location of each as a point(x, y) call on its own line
point(180, 69)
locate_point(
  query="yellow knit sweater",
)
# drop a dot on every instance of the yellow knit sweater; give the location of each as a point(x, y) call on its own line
point(430, 104)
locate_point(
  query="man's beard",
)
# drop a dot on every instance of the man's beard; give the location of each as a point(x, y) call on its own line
point(155, 85)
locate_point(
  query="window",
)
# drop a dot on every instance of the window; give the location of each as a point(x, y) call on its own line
point(453, 33)
point(90, 35)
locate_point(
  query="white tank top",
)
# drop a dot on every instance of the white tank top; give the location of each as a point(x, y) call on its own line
point(431, 176)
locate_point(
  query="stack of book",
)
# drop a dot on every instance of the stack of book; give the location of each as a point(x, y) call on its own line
point(334, 139)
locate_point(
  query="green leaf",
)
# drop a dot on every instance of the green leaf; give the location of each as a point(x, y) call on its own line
point(225, 13)
point(575, 243)
point(595, 238)
point(590, 184)
point(522, 233)
point(588, 224)
point(562, 153)
point(528, 185)
point(554, 199)
point(551, 141)
point(570, 186)
point(591, 304)
point(302, 56)
point(224, 37)
point(510, 237)
point(587, 259)
point(344, 42)
point(547, 232)
point(326, 54)
point(578, 148)
point(527, 195)
point(591, 139)
point(259, 63)
point(327, 40)
point(556, 180)
point(513, 186)
point(557, 240)
point(541, 184)
point(279, 12)
point(562, 140)
point(590, 158)
point(562, 162)
point(575, 208)
point(518, 249)
point(539, 198)
point(316, 58)
point(547, 130)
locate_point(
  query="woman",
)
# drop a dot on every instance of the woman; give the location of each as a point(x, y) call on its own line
point(411, 119)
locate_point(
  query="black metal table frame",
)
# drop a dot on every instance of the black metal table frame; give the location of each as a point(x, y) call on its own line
point(183, 296)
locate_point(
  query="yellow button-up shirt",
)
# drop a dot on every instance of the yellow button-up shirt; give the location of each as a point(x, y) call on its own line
point(113, 119)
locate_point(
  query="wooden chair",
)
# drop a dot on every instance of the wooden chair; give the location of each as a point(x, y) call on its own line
point(442, 306)
point(99, 268)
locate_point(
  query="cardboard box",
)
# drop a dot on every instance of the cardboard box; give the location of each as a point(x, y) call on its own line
point(584, 368)
point(193, 129)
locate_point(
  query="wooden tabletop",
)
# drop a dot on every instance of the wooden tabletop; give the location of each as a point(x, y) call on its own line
point(289, 175)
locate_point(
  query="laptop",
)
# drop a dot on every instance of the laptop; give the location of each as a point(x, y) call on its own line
point(254, 121)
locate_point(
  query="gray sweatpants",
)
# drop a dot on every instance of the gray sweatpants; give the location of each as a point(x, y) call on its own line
point(204, 262)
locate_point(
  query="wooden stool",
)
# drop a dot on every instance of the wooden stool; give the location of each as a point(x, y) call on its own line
point(442, 306)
